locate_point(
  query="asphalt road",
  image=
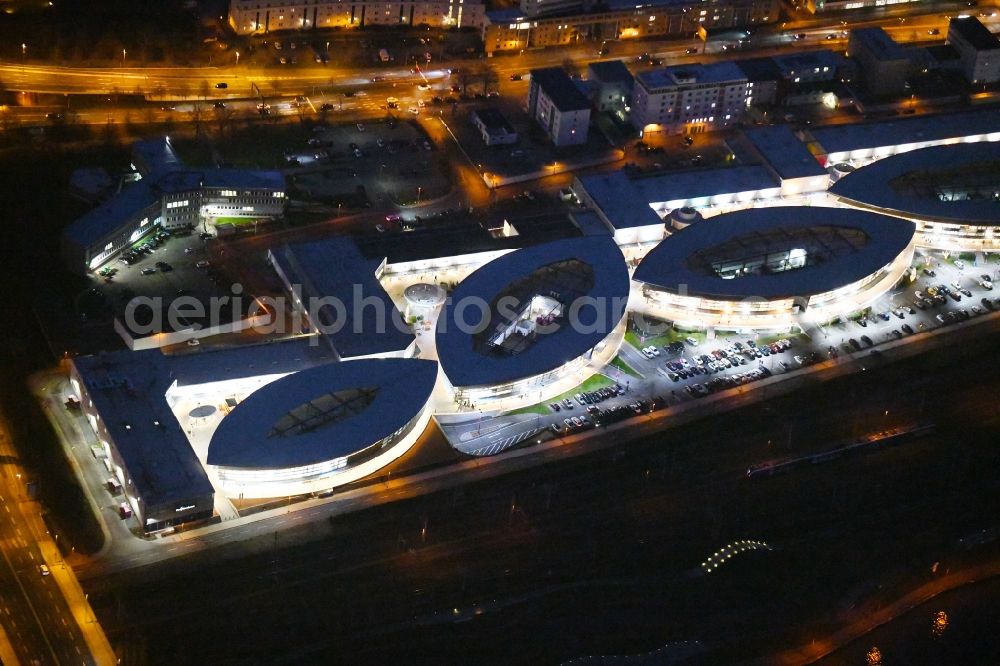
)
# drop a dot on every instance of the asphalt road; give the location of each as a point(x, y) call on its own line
point(328, 82)
point(34, 613)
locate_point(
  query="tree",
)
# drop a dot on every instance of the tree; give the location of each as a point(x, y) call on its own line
point(204, 89)
point(490, 78)
point(222, 116)
point(196, 116)
point(465, 78)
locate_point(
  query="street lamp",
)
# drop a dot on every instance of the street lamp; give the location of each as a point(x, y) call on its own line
point(237, 58)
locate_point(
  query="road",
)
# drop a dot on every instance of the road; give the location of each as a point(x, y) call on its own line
point(328, 83)
point(35, 615)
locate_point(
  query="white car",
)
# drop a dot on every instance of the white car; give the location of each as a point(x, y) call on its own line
point(414, 110)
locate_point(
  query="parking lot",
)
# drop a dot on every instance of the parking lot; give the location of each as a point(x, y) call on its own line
point(383, 163)
point(163, 267)
point(686, 366)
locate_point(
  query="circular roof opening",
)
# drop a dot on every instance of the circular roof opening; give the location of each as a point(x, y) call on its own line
point(424, 295)
point(202, 411)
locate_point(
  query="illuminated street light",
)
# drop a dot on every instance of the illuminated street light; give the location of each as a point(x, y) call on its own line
point(237, 57)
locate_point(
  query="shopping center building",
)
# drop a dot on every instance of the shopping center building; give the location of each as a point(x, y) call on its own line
point(951, 192)
point(519, 324)
point(774, 268)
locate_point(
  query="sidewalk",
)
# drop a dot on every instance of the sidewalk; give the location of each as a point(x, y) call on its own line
point(7, 656)
point(65, 579)
point(69, 586)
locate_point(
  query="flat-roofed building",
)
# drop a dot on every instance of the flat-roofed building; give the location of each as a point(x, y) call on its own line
point(493, 127)
point(610, 85)
point(951, 192)
point(339, 293)
point(775, 267)
point(513, 28)
point(556, 104)
point(978, 48)
point(884, 65)
point(689, 98)
point(827, 6)
point(249, 17)
point(171, 195)
point(860, 143)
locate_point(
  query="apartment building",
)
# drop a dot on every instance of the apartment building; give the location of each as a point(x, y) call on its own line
point(688, 99)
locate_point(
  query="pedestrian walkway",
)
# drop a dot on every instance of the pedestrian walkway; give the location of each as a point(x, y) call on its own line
point(504, 444)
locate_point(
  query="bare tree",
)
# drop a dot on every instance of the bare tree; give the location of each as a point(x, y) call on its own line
point(196, 116)
point(204, 90)
point(490, 79)
point(222, 116)
point(465, 79)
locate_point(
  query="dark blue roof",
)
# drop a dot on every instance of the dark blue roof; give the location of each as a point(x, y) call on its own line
point(667, 265)
point(973, 31)
point(465, 366)
point(155, 155)
point(907, 130)
point(127, 389)
point(873, 184)
point(560, 89)
point(610, 71)
point(107, 218)
point(334, 268)
point(784, 152)
point(248, 438)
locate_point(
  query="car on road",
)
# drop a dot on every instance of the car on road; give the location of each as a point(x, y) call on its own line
point(220, 105)
point(221, 85)
point(44, 569)
point(799, 36)
point(516, 77)
point(691, 50)
point(929, 273)
point(423, 86)
point(148, 271)
point(361, 127)
point(326, 106)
